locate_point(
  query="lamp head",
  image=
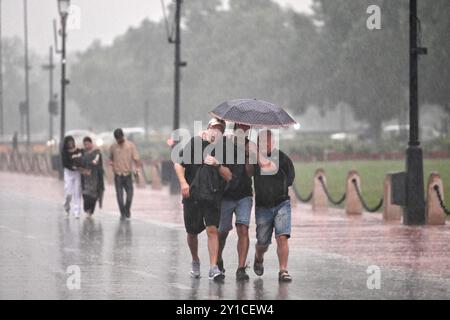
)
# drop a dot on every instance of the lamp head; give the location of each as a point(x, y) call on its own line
point(63, 7)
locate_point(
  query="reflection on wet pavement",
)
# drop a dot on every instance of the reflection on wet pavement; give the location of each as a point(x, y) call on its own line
point(147, 257)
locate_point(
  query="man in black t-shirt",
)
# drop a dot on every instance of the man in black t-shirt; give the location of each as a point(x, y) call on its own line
point(238, 198)
point(200, 214)
point(274, 174)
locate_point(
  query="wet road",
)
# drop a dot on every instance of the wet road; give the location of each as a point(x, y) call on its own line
point(146, 258)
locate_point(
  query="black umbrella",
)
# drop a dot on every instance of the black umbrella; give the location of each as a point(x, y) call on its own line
point(253, 112)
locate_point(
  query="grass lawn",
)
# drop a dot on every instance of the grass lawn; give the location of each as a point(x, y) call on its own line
point(372, 176)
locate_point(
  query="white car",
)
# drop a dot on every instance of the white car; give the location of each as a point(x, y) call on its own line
point(107, 137)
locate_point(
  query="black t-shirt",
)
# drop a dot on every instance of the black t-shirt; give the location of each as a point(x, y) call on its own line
point(67, 160)
point(272, 190)
point(189, 163)
point(240, 185)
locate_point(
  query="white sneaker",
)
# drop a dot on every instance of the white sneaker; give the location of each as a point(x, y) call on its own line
point(195, 269)
point(77, 216)
point(216, 275)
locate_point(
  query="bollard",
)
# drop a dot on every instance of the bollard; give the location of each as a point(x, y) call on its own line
point(109, 174)
point(435, 213)
point(353, 204)
point(156, 179)
point(319, 200)
point(391, 211)
point(140, 180)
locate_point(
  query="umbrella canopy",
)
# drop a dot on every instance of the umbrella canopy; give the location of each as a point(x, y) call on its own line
point(252, 112)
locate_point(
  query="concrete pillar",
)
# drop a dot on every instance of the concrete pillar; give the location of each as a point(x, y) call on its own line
point(352, 204)
point(109, 174)
point(391, 211)
point(435, 213)
point(140, 180)
point(319, 200)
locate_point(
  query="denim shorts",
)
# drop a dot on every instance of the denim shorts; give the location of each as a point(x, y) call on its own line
point(267, 219)
point(242, 208)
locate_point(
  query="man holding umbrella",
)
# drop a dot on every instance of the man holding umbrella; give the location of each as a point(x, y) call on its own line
point(273, 175)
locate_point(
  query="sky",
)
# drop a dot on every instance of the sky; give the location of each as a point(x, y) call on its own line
point(99, 19)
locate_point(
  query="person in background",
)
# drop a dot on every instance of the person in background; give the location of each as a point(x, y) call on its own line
point(72, 177)
point(92, 182)
point(237, 199)
point(273, 174)
point(124, 159)
point(201, 214)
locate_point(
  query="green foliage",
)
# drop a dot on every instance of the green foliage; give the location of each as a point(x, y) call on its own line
point(256, 49)
point(253, 49)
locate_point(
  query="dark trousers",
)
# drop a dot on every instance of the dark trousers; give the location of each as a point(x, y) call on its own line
point(89, 203)
point(124, 183)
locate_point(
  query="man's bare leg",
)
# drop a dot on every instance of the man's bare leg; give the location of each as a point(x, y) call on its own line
point(213, 244)
point(192, 241)
point(282, 251)
point(222, 242)
point(243, 244)
point(260, 251)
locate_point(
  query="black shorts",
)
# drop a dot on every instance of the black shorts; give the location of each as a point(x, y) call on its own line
point(199, 215)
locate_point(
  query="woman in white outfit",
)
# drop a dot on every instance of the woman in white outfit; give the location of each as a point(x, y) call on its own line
point(72, 177)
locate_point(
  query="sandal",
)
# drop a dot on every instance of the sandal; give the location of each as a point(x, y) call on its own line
point(284, 276)
point(258, 267)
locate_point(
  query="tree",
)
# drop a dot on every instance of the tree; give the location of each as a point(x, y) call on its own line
point(371, 70)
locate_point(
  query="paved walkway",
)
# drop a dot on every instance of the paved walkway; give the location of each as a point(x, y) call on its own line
point(147, 257)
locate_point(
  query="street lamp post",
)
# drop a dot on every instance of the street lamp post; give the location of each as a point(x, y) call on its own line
point(415, 198)
point(63, 8)
point(27, 69)
point(51, 103)
point(2, 122)
point(408, 187)
point(178, 65)
point(174, 185)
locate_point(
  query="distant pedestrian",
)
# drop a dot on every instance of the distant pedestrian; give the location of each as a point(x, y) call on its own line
point(125, 162)
point(202, 184)
point(274, 174)
point(72, 178)
point(92, 181)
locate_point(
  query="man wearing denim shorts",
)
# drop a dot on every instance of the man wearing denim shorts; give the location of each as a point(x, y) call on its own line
point(274, 174)
point(237, 199)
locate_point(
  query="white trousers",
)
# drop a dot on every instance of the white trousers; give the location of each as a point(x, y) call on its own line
point(72, 189)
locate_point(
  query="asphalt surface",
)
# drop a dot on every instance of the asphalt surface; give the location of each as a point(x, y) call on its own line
point(146, 258)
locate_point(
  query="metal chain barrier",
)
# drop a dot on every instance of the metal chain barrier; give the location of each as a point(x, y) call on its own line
point(48, 168)
point(330, 198)
point(364, 203)
point(299, 197)
point(441, 200)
